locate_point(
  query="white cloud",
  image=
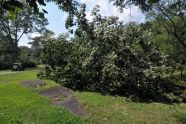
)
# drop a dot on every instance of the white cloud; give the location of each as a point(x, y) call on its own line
point(64, 17)
point(35, 34)
point(107, 9)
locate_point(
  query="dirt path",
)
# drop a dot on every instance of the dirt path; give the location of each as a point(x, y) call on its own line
point(59, 96)
point(7, 72)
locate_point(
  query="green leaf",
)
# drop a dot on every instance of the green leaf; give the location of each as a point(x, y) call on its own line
point(41, 15)
point(12, 14)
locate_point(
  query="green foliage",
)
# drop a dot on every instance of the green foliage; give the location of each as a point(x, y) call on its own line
point(170, 15)
point(27, 56)
point(29, 64)
point(114, 58)
point(170, 36)
point(24, 22)
point(11, 6)
point(5, 54)
point(56, 52)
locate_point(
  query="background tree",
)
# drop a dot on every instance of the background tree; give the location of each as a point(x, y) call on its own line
point(27, 58)
point(5, 53)
point(171, 18)
point(25, 22)
point(37, 44)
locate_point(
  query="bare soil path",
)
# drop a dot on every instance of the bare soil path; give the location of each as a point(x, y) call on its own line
point(59, 96)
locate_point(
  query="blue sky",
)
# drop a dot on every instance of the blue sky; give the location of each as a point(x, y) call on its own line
point(57, 17)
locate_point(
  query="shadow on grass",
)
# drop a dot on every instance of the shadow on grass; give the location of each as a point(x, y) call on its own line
point(181, 118)
point(172, 93)
point(165, 91)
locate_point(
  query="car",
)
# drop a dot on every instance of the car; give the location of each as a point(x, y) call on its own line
point(17, 67)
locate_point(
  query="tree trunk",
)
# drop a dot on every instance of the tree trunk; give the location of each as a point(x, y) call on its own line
point(12, 52)
point(15, 51)
point(16, 40)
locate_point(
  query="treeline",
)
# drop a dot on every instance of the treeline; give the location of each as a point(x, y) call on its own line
point(13, 26)
point(27, 56)
point(108, 56)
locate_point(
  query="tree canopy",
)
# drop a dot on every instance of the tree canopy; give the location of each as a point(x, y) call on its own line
point(70, 6)
point(109, 56)
point(24, 22)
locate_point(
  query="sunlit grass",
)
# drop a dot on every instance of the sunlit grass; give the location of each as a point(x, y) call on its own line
point(20, 105)
point(118, 110)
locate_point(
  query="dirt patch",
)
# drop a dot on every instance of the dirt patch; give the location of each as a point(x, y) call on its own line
point(33, 83)
point(59, 96)
point(72, 104)
point(57, 91)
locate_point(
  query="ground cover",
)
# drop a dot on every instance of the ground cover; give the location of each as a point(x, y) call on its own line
point(20, 104)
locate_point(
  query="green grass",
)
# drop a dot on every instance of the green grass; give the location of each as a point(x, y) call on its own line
point(20, 105)
point(118, 110)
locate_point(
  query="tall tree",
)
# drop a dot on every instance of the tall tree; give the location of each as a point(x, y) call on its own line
point(5, 53)
point(37, 43)
point(172, 16)
point(24, 22)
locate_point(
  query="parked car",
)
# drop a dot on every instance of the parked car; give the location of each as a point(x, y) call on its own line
point(17, 67)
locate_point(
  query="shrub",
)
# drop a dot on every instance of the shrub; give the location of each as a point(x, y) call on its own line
point(29, 64)
point(5, 65)
point(118, 59)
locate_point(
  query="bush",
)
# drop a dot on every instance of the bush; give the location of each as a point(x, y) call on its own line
point(5, 66)
point(119, 59)
point(29, 64)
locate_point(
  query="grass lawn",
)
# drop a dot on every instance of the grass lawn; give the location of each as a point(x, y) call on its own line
point(19, 105)
point(118, 110)
point(22, 105)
